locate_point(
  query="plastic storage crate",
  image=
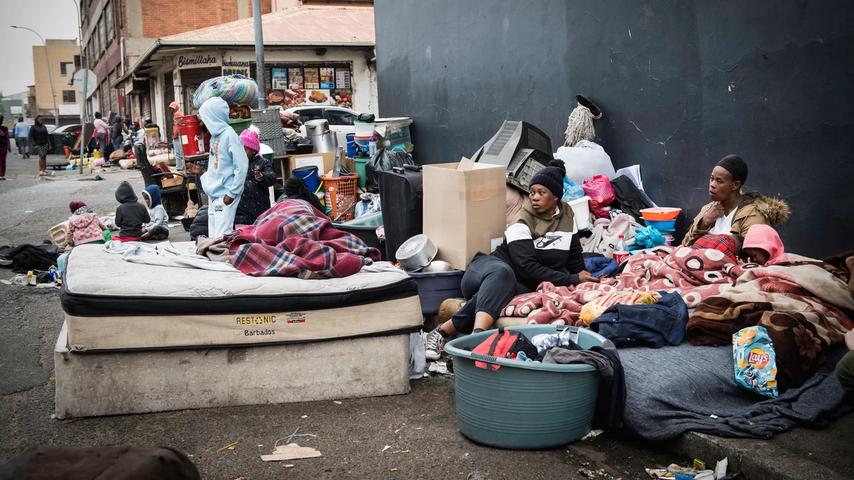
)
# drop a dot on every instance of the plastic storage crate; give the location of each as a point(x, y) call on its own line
point(341, 196)
point(435, 287)
point(523, 405)
point(268, 123)
point(365, 227)
point(396, 135)
point(278, 145)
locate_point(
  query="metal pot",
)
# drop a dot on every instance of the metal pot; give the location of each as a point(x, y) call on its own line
point(321, 138)
point(416, 253)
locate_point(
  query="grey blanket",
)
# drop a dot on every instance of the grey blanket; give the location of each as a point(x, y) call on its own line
point(673, 390)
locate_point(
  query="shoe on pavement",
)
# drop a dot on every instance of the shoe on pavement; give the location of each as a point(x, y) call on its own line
point(434, 345)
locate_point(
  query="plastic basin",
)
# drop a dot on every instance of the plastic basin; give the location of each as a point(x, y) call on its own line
point(435, 287)
point(660, 213)
point(662, 225)
point(523, 405)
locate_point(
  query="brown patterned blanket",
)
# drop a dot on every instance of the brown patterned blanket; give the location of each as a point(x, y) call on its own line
point(805, 306)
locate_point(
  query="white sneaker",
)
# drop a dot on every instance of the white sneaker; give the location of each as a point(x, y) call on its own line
point(434, 345)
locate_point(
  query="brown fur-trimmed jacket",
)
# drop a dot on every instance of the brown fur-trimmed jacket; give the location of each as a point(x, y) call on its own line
point(754, 208)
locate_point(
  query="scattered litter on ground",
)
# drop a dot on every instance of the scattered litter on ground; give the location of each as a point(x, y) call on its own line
point(439, 367)
point(289, 465)
point(291, 437)
point(336, 402)
point(592, 434)
point(291, 451)
point(304, 416)
point(385, 448)
point(230, 446)
point(590, 472)
point(697, 471)
point(392, 469)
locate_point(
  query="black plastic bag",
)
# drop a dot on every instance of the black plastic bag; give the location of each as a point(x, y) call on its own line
point(384, 161)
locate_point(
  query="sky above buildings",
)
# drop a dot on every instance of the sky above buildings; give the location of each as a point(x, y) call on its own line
point(53, 19)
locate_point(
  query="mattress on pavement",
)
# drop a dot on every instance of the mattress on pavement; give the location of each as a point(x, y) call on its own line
point(113, 304)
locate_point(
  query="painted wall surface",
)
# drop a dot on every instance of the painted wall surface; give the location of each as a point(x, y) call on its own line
point(682, 83)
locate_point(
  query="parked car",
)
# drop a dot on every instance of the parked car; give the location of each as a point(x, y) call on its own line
point(340, 119)
point(64, 136)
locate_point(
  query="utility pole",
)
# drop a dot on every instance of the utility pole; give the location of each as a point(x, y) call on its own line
point(49, 73)
point(259, 54)
point(83, 141)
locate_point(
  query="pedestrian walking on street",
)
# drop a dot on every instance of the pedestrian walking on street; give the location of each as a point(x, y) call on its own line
point(176, 135)
point(5, 146)
point(21, 131)
point(102, 132)
point(38, 140)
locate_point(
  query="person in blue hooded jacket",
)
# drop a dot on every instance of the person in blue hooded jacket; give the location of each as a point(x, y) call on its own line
point(158, 227)
point(227, 166)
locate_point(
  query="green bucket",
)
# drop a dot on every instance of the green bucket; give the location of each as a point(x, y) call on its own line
point(240, 124)
point(523, 405)
point(361, 164)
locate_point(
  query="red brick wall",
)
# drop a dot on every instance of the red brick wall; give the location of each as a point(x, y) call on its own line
point(161, 18)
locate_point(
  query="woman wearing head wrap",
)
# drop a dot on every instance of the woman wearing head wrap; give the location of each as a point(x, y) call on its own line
point(732, 212)
point(540, 245)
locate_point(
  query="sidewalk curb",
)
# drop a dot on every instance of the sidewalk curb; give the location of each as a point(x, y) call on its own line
point(756, 459)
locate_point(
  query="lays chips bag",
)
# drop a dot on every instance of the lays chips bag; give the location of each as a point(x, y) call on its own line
point(755, 361)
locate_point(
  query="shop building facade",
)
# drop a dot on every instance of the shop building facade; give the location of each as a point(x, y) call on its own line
point(313, 56)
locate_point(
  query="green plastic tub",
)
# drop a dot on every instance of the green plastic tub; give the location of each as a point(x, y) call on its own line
point(523, 405)
point(240, 124)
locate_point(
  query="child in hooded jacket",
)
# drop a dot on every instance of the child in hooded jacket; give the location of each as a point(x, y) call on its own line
point(255, 199)
point(158, 227)
point(223, 182)
point(84, 226)
point(130, 214)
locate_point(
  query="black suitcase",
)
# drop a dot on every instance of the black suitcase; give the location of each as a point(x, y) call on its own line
point(401, 195)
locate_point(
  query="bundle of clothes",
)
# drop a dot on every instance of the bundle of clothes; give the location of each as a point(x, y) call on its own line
point(705, 294)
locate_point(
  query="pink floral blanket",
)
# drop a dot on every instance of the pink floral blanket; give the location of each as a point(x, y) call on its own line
point(695, 273)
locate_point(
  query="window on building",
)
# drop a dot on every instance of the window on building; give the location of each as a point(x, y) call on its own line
point(69, 96)
point(108, 22)
point(77, 61)
point(102, 30)
point(64, 68)
point(96, 37)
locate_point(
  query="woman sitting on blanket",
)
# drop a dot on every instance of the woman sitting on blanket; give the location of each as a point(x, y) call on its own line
point(540, 245)
point(732, 212)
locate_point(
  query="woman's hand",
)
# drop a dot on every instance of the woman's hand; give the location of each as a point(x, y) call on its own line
point(227, 200)
point(585, 276)
point(712, 214)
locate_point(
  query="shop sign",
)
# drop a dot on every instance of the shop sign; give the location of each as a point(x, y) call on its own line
point(197, 60)
point(236, 68)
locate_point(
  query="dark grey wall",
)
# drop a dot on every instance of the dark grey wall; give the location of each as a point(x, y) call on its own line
point(682, 83)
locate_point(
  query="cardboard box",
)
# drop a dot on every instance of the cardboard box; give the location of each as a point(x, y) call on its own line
point(323, 161)
point(463, 209)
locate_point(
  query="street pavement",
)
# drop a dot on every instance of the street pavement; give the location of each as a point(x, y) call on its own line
point(405, 436)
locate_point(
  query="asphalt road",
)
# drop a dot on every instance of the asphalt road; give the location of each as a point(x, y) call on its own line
point(419, 428)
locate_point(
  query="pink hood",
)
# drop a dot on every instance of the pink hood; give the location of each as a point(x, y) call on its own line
point(765, 237)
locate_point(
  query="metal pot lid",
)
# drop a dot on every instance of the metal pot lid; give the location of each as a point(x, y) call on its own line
point(317, 127)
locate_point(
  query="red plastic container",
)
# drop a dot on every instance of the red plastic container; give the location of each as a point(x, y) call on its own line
point(193, 141)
